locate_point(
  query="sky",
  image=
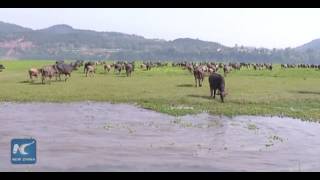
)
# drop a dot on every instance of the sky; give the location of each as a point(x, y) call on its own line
point(261, 27)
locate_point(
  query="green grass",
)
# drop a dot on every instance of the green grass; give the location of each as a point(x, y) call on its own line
point(290, 92)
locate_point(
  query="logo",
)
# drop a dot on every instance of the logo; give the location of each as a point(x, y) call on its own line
point(23, 151)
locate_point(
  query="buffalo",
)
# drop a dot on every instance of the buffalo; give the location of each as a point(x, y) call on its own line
point(87, 64)
point(133, 65)
point(65, 69)
point(1, 67)
point(107, 67)
point(216, 82)
point(198, 76)
point(235, 66)
point(143, 66)
point(190, 68)
point(226, 69)
point(91, 69)
point(212, 70)
point(118, 67)
point(148, 65)
point(48, 72)
point(129, 69)
point(34, 72)
point(268, 66)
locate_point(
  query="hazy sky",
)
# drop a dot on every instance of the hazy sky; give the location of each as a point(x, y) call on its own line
point(271, 28)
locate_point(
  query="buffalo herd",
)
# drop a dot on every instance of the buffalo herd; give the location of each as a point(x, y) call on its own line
point(198, 69)
point(311, 66)
point(61, 68)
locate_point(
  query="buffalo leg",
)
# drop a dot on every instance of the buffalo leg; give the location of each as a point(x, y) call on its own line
point(221, 96)
point(59, 77)
point(196, 81)
point(30, 76)
point(211, 92)
point(214, 93)
point(200, 84)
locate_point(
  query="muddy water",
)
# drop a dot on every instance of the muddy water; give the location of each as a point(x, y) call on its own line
point(92, 136)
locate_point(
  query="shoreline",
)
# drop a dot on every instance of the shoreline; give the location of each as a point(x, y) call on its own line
point(137, 105)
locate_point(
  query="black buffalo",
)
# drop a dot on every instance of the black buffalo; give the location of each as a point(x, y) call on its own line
point(118, 67)
point(1, 67)
point(217, 82)
point(129, 69)
point(148, 65)
point(65, 69)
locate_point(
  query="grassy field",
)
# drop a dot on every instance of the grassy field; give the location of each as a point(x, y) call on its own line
point(290, 92)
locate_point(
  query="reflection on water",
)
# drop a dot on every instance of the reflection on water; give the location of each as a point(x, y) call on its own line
point(91, 136)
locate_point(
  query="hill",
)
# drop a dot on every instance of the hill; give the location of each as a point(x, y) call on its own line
point(312, 45)
point(64, 42)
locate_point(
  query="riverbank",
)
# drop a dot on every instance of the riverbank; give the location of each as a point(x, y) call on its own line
point(290, 92)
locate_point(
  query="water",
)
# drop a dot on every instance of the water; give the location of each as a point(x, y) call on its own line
point(89, 136)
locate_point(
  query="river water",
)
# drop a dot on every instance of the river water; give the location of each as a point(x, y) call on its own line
point(92, 136)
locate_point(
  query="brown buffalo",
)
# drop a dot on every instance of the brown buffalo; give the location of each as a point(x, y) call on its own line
point(49, 72)
point(226, 69)
point(212, 70)
point(34, 72)
point(198, 76)
point(107, 67)
point(91, 69)
point(190, 68)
